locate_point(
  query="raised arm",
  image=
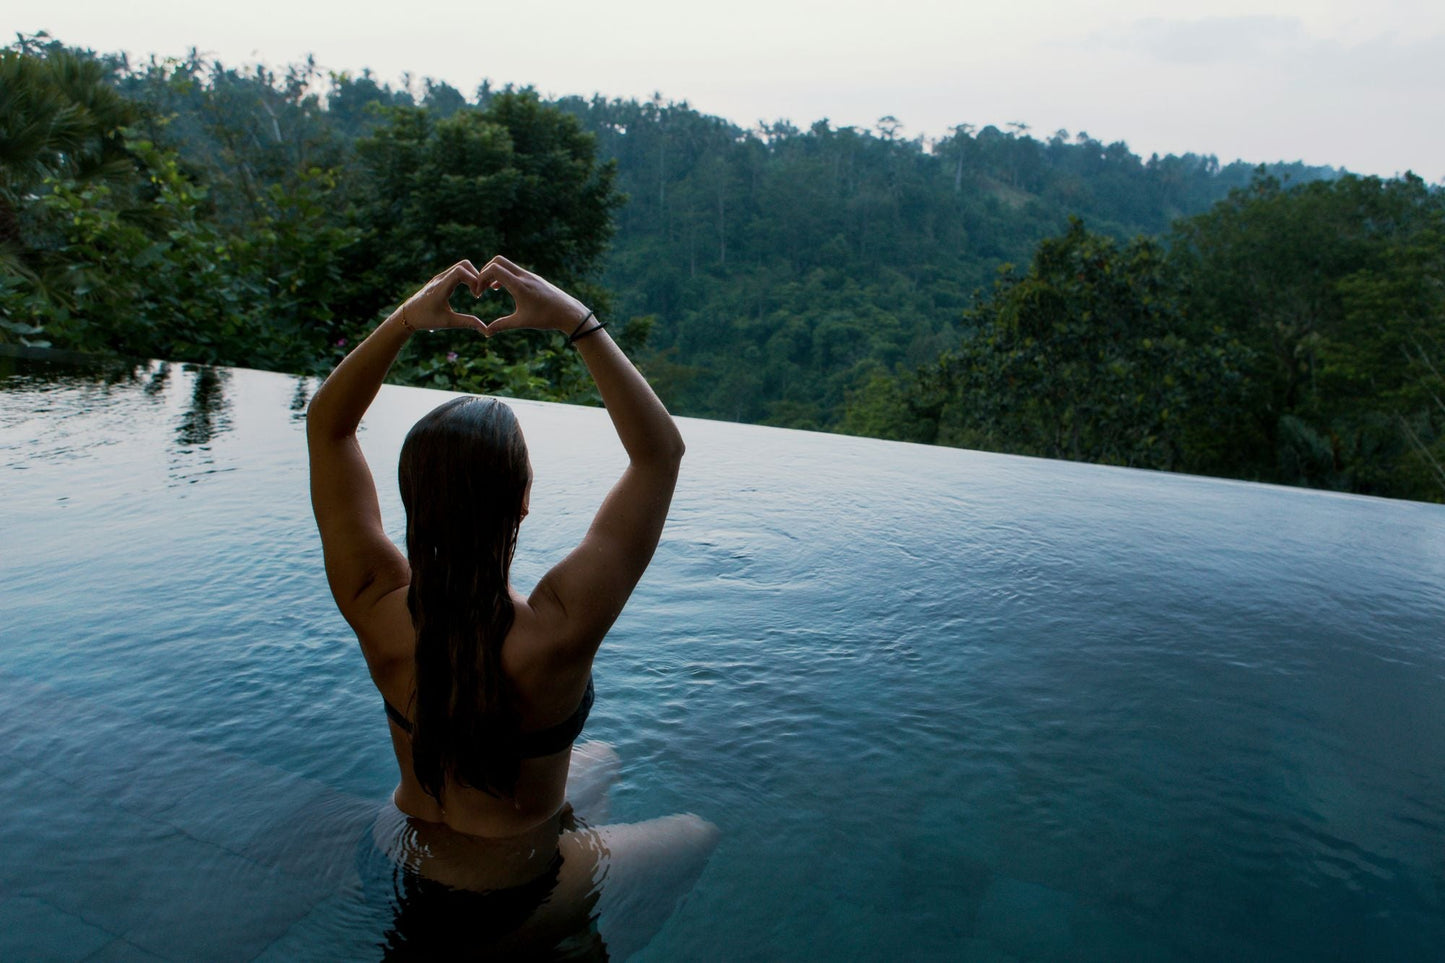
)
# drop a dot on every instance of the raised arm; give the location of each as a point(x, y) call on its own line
point(584, 593)
point(362, 564)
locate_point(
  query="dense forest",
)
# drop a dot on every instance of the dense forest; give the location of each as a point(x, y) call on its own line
point(993, 289)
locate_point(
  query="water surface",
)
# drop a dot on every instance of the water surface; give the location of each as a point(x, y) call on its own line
point(942, 704)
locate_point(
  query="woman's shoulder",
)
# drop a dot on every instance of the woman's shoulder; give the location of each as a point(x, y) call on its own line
point(536, 642)
point(540, 664)
point(388, 641)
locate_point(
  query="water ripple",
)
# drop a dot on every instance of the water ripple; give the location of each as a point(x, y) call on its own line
point(937, 700)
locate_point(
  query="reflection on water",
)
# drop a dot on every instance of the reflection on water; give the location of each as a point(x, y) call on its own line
point(160, 377)
point(301, 399)
point(425, 917)
point(100, 389)
point(35, 367)
point(206, 416)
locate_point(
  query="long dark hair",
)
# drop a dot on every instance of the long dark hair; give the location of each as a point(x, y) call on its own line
point(464, 475)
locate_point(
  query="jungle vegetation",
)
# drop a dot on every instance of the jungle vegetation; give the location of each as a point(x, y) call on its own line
point(1051, 295)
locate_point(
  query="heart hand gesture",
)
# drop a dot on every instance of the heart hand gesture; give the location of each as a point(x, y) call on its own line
point(538, 303)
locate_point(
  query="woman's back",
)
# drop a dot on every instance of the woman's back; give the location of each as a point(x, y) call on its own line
point(547, 696)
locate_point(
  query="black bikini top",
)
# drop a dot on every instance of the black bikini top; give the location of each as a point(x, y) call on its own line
point(530, 745)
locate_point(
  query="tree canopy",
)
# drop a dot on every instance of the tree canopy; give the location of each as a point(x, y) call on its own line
point(187, 210)
point(1280, 323)
point(1291, 335)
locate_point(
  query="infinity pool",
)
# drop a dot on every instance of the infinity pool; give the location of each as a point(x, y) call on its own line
point(942, 704)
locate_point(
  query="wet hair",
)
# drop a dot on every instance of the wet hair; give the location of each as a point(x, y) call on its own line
point(464, 475)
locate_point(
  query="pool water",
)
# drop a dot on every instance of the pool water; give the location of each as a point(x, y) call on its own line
point(942, 704)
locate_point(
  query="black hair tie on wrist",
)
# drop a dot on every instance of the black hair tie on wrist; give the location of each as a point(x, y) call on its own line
point(575, 337)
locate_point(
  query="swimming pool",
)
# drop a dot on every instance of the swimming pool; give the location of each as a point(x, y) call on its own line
point(942, 704)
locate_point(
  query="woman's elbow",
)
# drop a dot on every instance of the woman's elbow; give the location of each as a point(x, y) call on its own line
point(676, 447)
point(664, 452)
point(321, 423)
point(315, 421)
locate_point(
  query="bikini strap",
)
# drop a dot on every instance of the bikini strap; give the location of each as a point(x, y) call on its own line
point(394, 714)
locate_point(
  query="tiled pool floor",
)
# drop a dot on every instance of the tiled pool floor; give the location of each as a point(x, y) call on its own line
point(124, 840)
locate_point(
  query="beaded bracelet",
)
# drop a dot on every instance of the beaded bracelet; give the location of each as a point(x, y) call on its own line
point(404, 322)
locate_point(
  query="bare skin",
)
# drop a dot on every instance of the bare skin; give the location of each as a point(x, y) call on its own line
point(547, 655)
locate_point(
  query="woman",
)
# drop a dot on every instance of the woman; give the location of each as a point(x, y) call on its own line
point(486, 689)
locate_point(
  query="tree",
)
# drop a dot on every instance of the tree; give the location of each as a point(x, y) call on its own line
point(518, 178)
point(59, 121)
point(1086, 356)
point(1335, 286)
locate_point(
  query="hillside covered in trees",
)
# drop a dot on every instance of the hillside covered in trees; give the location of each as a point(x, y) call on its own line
point(1292, 336)
point(1280, 323)
point(784, 264)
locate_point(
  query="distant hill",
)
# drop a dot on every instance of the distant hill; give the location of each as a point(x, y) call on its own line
point(782, 264)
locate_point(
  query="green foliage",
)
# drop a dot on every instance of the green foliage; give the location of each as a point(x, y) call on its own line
point(821, 278)
point(58, 122)
point(1288, 335)
point(116, 247)
point(225, 216)
point(58, 117)
point(1085, 356)
point(1337, 289)
point(516, 176)
point(741, 241)
point(145, 273)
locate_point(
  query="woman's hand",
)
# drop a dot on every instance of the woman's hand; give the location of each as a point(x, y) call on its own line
point(430, 308)
point(538, 303)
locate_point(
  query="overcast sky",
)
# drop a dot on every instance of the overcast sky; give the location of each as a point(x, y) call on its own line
point(1324, 81)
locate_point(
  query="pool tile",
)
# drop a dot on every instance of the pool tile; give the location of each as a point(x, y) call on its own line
point(32, 929)
point(152, 837)
point(1026, 919)
point(48, 740)
point(145, 767)
point(317, 841)
point(123, 951)
point(55, 835)
point(212, 908)
point(344, 923)
point(155, 773)
point(133, 764)
point(982, 951)
point(164, 891)
point(1100, 936)
point(228, 805)
point(99, 873)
